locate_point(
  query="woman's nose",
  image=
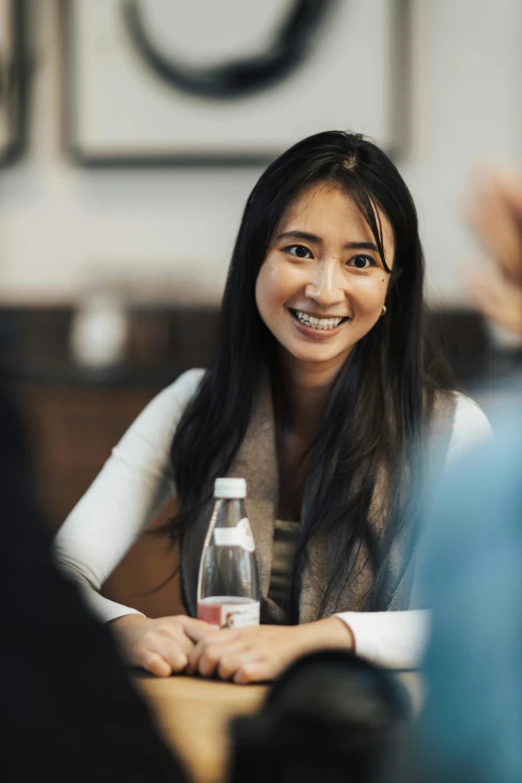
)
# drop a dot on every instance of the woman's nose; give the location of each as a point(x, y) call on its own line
point(325, 288)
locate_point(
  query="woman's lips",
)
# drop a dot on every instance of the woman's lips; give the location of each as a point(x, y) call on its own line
point(313, 333)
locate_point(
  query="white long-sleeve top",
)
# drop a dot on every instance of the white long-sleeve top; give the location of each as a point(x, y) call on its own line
point(137, 480)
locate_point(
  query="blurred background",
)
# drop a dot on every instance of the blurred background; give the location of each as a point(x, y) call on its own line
point(131, 133)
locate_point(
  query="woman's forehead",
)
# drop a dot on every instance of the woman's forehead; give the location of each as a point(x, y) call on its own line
point(326, 207)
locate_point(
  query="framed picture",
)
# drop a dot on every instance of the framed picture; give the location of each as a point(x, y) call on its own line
point(13, 80)
point(233, 82)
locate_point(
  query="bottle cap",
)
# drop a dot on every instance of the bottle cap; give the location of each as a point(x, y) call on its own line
point(232, 488)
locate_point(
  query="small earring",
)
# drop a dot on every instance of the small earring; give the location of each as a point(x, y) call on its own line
point(383, 311)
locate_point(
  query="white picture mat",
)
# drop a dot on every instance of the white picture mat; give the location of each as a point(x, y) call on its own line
point(119, 107)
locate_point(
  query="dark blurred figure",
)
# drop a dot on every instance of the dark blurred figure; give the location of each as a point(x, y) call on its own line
point(331, 718)
point(67, 709)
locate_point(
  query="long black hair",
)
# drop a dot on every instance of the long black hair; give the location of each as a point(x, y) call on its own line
point(381, 396)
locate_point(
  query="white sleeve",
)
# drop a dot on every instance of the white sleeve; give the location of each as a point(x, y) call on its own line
point(397, 640)
point(125, 496)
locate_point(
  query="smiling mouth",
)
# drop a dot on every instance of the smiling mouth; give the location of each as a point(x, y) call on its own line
point(321, 324)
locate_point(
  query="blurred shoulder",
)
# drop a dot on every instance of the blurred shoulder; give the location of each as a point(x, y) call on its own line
point(180, 393)
point(167, 407)
point(471, 426)
point(186, 385)
point(470, 416)
point(468, 424)
point(482, 490)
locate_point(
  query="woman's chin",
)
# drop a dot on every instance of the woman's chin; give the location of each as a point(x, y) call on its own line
point(318, 355)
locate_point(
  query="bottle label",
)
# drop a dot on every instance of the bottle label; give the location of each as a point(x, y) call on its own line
point(240, 535)
point(240, 615)
point(229, 612)
point(247, 536)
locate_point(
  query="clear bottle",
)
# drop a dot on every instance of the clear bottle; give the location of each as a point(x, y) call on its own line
point(228, 583)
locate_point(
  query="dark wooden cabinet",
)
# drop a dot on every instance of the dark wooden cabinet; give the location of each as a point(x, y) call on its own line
point(71, 431)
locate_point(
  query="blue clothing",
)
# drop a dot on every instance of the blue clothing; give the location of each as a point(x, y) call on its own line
point(470, 573)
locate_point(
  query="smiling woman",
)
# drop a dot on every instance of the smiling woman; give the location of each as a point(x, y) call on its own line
point(320, 295)
point(323, 394)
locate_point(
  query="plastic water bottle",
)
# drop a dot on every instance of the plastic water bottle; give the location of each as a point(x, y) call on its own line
point(228, 583)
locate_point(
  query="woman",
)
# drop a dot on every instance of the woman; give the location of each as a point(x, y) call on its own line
point(320, 394)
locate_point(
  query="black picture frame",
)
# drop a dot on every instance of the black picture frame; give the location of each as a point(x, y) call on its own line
point(400, 113)
point(15, 85)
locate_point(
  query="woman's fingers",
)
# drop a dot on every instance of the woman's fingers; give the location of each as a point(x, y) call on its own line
point(168, 642)
point(198, 630)
point(232, 663)
point(154, 663)
point(161, 645)
point(257, 670)
point(207, 655)
point(194, 658)
point(170, 651)
point(209, 660)
point(173, 643)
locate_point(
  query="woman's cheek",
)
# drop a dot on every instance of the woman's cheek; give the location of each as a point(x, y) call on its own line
point(283, 281)
point(370, 296)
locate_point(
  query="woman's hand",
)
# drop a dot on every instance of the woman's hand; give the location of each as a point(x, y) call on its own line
point(161, 646)
point(262, 652)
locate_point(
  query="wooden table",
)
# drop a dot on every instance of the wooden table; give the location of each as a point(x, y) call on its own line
point(193, 716)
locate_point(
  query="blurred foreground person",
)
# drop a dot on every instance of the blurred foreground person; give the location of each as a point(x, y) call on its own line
point(67, 710)
point(331, 718)
point(472, 576)
point(471, 566)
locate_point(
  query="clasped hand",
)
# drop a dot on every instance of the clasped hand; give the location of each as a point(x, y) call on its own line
point(259, 653)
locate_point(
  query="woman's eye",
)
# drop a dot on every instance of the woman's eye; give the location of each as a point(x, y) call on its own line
point(361, 262)
point(299, 251)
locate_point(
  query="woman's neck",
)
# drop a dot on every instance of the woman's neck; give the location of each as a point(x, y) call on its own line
point(307, 387)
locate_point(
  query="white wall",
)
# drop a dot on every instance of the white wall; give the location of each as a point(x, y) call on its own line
point(467, 113)
point(58, 221)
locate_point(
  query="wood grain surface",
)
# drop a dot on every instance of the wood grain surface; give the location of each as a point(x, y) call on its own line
point(193, 716)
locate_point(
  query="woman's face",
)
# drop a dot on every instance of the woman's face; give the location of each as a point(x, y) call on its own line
point(322, 285)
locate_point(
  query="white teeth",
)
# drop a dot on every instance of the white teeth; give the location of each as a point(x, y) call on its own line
point(323, 324)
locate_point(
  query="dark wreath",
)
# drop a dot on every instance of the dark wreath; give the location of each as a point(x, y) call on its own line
point(291, 45)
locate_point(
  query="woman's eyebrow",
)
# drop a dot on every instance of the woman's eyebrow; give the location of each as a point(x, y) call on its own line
point(361, 246)
point(318, 241)
point(301, 235)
